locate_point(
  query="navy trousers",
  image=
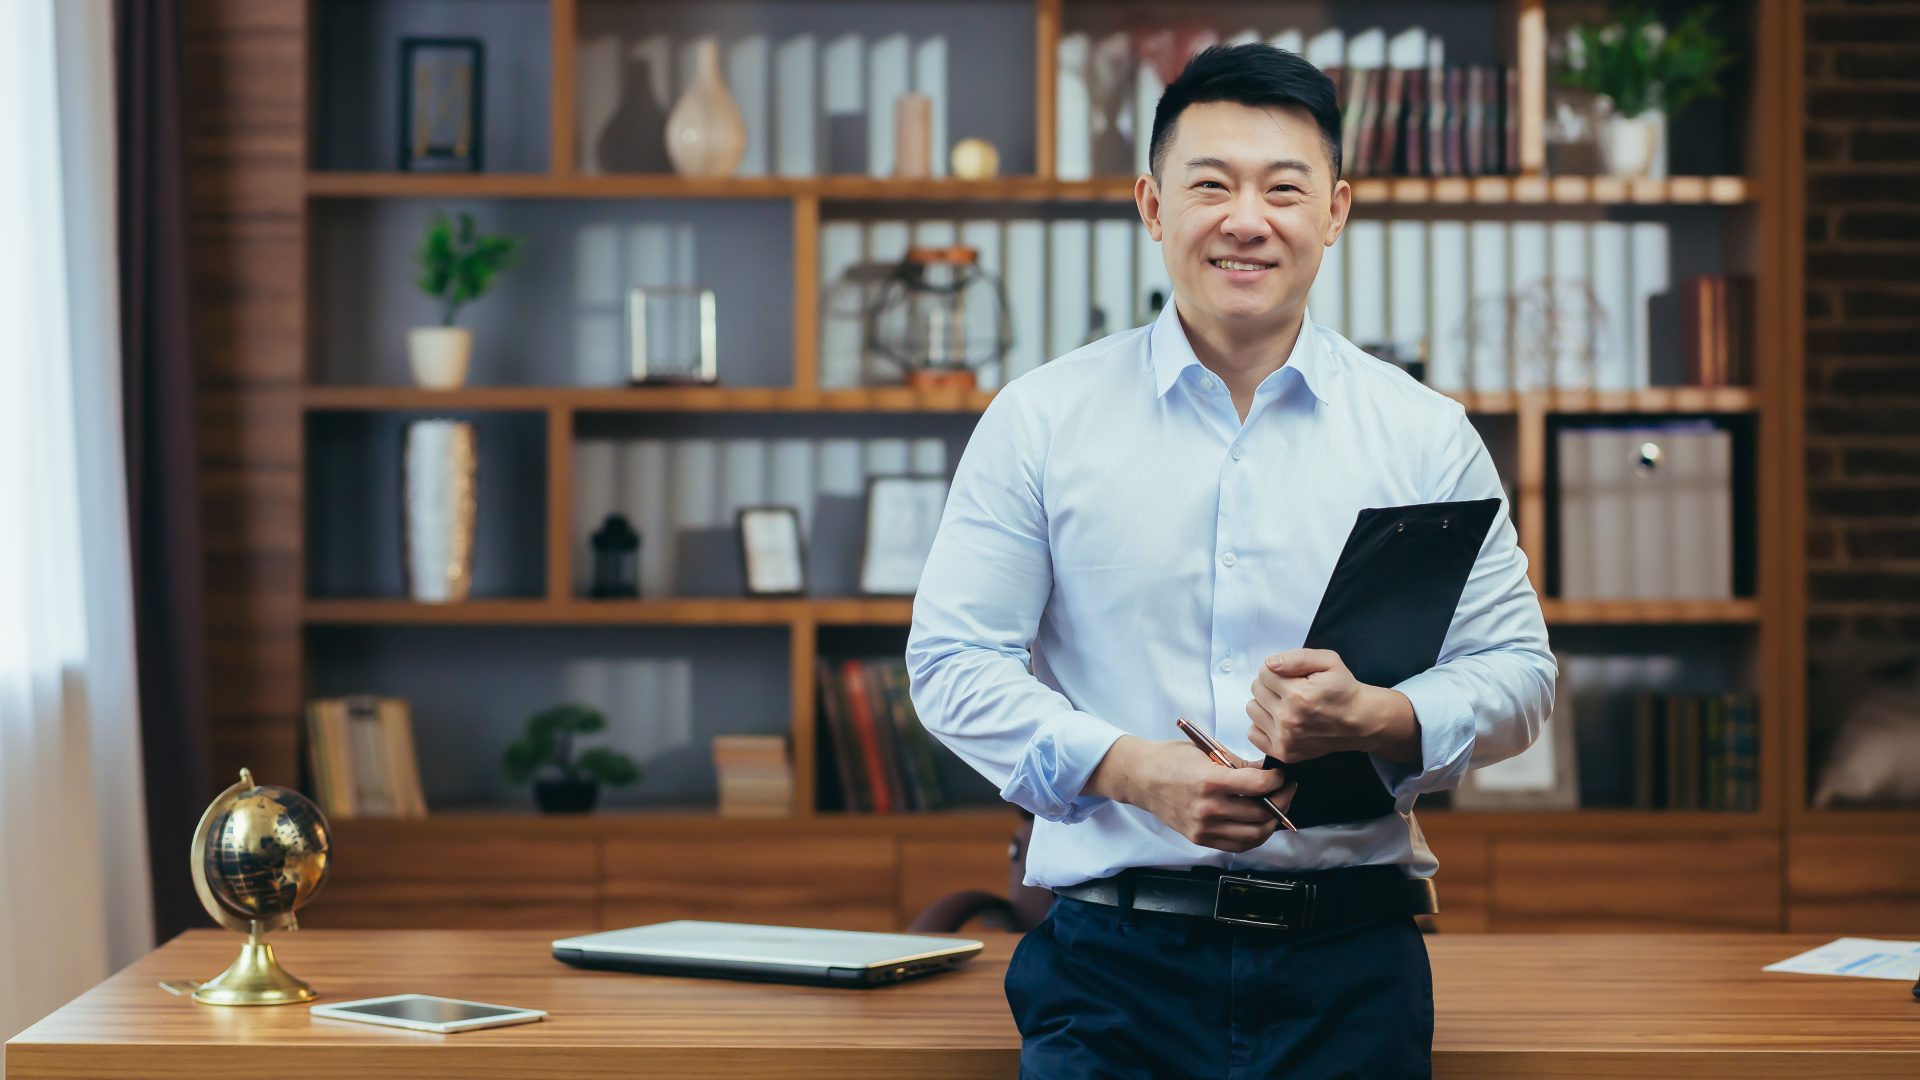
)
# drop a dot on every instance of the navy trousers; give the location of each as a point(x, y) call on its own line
point(1101, 992)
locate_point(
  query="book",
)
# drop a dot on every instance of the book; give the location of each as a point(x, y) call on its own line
point(834, 722)
point(754, 775)
point(796, 69)
point(361, 758)
point(1648, 255)
point(1073, 109)
point(1367, 270)
point(1113, 268)
point(889, 75)
point(1069, 257)
point(1407, 286)
point(1489, 357)
point(1448, 278)
point(860, 713)
point(1571, 364)
point(1528, 270)
point(1026, 283)
point(1613, 299)
point(930, 78)
point(1716, 312)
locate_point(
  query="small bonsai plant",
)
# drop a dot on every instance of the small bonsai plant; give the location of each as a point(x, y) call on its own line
point(457, 263)
point(1636, 64)
point(572, 783)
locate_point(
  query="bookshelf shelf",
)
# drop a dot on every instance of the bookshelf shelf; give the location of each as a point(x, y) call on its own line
point(900, 399)
point(680, 824)
point(1652, 612)
point(1405, 191)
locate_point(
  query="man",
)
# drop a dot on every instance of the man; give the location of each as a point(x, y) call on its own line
point(1155, 516)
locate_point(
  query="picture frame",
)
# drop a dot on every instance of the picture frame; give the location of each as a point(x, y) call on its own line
point(672, 335)
point(442, 80)
point(773, 552)
point(902, 515)
point(1550, 781)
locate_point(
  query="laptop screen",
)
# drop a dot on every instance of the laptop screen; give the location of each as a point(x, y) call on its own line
point(766, 944)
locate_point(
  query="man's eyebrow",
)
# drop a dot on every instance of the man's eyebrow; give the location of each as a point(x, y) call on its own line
point(1272, 166)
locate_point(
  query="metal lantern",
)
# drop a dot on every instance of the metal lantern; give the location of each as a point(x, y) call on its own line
point(616, 559)
point(938, 316)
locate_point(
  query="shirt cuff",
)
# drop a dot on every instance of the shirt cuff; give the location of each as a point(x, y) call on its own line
point(1056, 764)
point(1446, 738)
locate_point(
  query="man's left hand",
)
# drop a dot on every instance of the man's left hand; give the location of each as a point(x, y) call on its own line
point(1306, 704)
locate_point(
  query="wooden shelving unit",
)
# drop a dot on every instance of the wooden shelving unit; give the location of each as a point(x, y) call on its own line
point(1617, 868)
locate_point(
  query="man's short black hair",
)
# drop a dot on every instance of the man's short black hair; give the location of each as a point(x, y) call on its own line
point(1253, 74)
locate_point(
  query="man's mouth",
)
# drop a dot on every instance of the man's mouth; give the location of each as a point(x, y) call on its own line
point(1235, 264)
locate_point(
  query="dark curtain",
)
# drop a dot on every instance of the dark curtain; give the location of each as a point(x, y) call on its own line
point(163, 482)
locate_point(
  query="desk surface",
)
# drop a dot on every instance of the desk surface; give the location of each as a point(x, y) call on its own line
point(1506, 1005)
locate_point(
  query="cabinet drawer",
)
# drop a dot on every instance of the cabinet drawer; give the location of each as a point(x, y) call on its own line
point(839, 882)
point(1639, 885)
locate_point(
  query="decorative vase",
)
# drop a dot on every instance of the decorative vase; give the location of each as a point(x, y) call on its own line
point(706, 136)
point(565, 796)
point(439, 355)
point(1634, 146)
point(438, 470)
point(974, 159)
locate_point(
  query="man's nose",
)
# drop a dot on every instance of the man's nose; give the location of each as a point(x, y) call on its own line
point(1246, 220)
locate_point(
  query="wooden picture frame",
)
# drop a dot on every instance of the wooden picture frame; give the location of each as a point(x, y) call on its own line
point(907, 506)
point(439, 132)
point(773, 551)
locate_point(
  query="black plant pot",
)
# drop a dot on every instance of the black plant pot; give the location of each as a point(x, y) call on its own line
point(566, 796)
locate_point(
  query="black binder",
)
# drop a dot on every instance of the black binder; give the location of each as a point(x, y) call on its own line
point(1386, 612)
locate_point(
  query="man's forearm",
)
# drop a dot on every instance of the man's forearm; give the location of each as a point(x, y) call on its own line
point(1392, 726)
point(1110, 779)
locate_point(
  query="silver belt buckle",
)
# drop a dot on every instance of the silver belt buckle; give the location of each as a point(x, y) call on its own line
point(1273, 905)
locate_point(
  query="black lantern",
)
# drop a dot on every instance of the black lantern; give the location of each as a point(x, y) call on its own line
point(616, 559)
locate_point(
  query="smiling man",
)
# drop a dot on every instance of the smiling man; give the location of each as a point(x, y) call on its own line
point(1141, 530)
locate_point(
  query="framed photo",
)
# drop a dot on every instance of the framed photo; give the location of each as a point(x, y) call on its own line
point(771, 551)
point(440, 95)
point(671, 335)
point(1545, 776)
point(903, 513)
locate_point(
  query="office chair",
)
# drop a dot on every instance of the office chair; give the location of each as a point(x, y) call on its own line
point(1019, 911)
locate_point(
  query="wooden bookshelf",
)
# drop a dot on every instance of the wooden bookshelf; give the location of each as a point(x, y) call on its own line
point(264, 198)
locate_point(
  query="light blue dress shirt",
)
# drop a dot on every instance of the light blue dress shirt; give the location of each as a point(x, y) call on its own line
point(1118, 549)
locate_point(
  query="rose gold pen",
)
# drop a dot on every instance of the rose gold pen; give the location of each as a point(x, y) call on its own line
point(1220, 756)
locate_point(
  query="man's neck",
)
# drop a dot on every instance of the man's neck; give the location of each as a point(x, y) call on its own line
point(1242, 360)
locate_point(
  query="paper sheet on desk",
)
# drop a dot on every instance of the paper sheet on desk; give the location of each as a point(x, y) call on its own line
point(1866, 958)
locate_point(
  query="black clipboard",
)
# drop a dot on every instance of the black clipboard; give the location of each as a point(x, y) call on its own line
point(1386, 611)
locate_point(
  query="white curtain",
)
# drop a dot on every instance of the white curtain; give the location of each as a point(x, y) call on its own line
point(74, 895)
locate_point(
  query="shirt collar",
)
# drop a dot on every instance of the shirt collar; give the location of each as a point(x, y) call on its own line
point(1171, 354)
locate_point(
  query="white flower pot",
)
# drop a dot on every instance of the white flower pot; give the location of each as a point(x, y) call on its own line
point(439, 355)
point(1635, 145)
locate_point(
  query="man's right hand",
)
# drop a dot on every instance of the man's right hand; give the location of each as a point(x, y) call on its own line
point(1209, 804)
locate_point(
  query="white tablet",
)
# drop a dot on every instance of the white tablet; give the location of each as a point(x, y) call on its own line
point(423, 1012)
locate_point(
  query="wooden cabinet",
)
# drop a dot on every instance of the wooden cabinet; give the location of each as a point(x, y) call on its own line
point(1853, 883)
point(930, 869)
point(417, 877)
point(840, 882)
point(1638, 885)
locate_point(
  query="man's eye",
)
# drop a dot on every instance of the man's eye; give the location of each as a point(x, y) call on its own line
point(1204, 183)
point(1285, 187)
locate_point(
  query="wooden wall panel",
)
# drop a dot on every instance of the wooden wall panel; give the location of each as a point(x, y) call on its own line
point(930, 869)
point(1464, 881)
point(1854, 883)
point(1637, 886)
point(839, 882)
point(246, 93)
point(385, 876)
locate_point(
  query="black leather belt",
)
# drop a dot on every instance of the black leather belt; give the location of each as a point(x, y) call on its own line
point(1304, 901)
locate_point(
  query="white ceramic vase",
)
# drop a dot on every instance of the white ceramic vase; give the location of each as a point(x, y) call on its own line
point(1635, 146)
point(706, 135)
point(439, 355)
point(438, 469)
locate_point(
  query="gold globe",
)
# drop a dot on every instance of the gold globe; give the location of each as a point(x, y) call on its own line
point(259, 855)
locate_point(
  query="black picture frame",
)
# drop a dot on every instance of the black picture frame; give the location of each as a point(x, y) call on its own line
point(420, 154)
point(747, 558)
point(927, 524)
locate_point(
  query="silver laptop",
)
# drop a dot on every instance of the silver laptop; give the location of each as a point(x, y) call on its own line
point(789, 954)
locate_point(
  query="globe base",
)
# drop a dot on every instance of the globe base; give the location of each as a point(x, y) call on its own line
point(255, 978)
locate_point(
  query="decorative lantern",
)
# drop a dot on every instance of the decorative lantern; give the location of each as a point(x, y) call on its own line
point(616, 559)
point(938, 316)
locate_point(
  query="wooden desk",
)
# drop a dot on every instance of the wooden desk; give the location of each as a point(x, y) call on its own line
point(1508, 1006)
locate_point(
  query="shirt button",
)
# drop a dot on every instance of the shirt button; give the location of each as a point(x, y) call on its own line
point(1206, 384)
point(1239, 452)
point(1226, 665)
point(1227, 559)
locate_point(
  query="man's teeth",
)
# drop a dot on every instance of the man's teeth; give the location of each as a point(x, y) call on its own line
point(1228, 264)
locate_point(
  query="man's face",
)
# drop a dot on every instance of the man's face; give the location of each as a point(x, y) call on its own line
point(1252, 187)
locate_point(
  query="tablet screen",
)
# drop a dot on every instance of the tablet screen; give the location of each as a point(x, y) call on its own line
point(430, 1010)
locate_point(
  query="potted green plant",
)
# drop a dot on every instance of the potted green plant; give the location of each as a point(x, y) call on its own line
point(455, 264)
point(1641, 73)
point(566, 783)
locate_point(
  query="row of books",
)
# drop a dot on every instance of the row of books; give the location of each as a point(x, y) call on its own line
point(361, 759)
point(1434, 121)
point(1695, 752)
point(884, 762)
point(1716, 312)
point(755, 775)
point(1646, 512)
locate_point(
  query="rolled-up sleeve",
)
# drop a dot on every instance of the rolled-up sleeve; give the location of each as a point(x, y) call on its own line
point(1493, 687)
point(975, 616)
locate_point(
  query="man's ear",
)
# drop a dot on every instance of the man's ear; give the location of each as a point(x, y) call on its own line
point(1337, 215)
point(1146, 196)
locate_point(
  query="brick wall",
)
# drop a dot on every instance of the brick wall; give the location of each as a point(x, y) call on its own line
point(1863, 343)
